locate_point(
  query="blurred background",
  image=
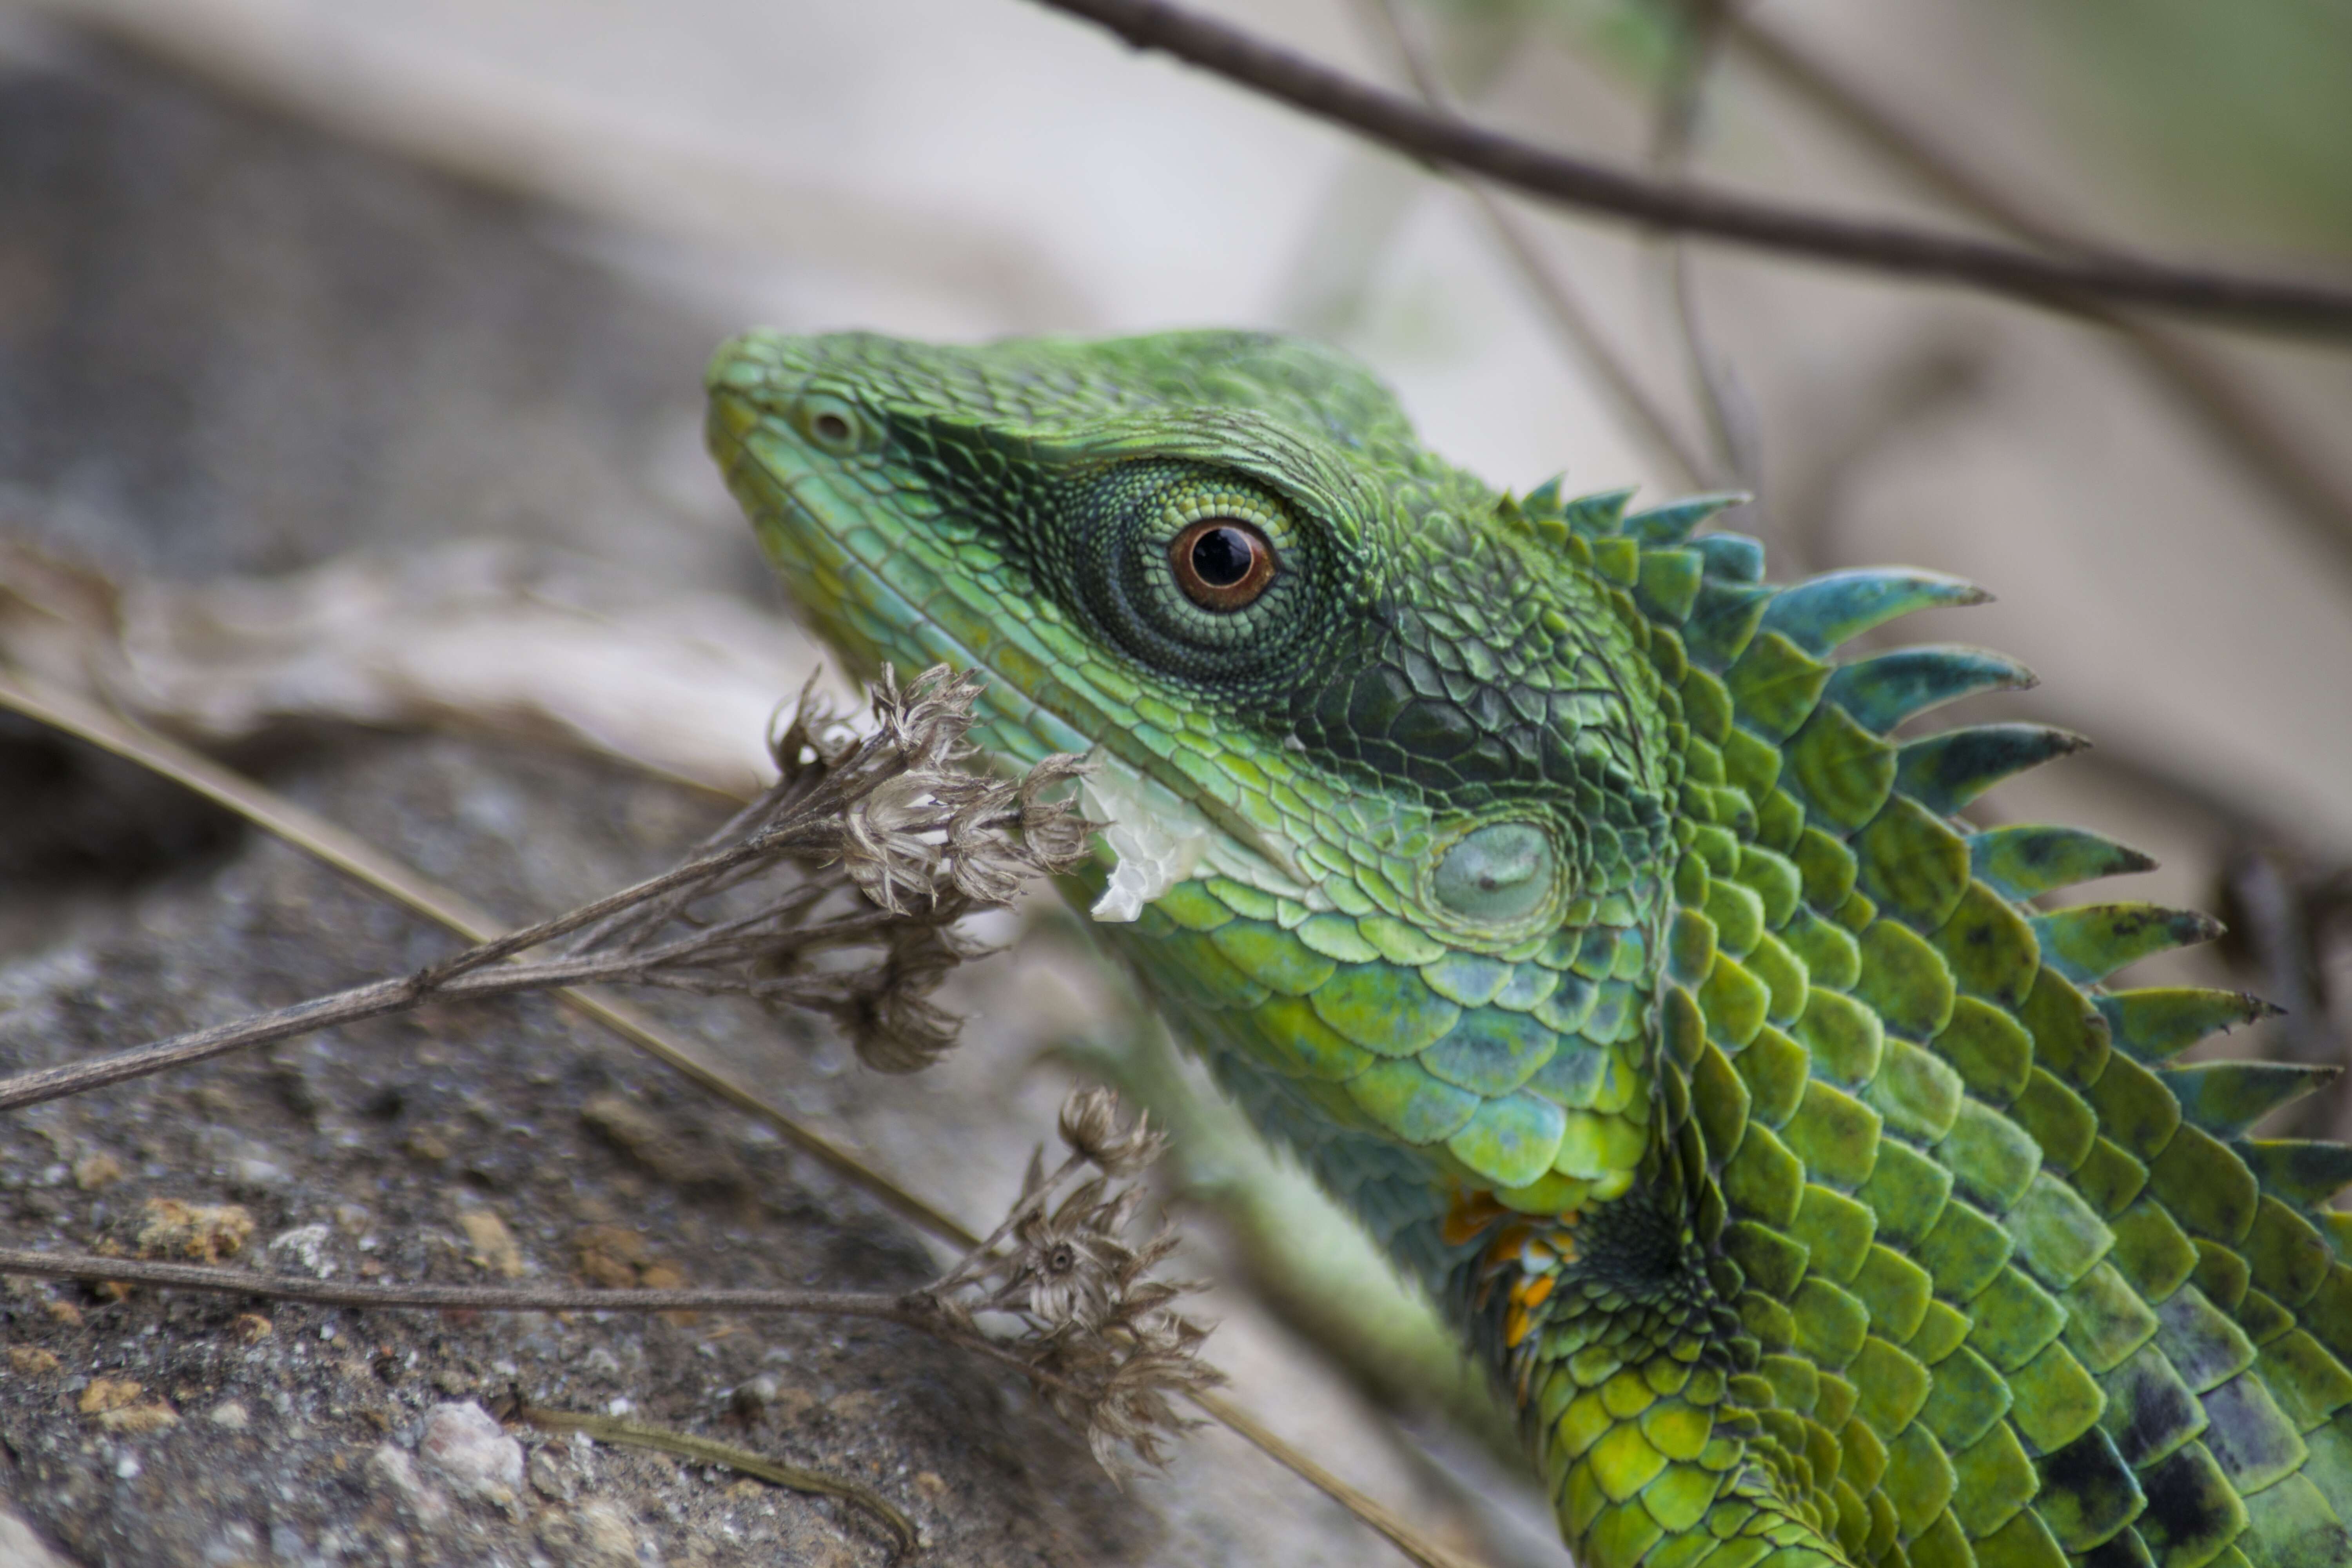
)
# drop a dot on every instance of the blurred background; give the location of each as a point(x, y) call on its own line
point(349, 364)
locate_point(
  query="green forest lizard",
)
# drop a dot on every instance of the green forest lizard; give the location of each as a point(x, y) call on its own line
point(1537, 871)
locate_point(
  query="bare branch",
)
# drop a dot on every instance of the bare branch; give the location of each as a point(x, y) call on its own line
point(200, 1044)
point(913, 1312)
point(2066, 283)
point(1729, 421)
point(218, 1280)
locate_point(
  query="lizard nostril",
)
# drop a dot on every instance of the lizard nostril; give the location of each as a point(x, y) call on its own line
point(831, 424)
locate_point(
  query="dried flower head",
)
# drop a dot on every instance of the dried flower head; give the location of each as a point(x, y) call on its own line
point(1089, 1125)
point(839, 890)
point(815, 733)
point(933, 828)
point(892, 1022)
point(1122, 1383)
point(1071, 1264)
point(1100, 1337)
point(885, 846)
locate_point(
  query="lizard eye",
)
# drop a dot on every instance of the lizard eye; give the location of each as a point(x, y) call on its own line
point(1206, 575)
point(1222, 562)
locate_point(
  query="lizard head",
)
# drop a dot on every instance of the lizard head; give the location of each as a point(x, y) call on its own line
point(1340, 689)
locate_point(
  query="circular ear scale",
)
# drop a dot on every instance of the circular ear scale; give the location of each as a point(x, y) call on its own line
point(1499, 872)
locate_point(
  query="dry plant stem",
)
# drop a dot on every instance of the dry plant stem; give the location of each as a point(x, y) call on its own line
point(691, 873)
point(356, 857)
point(913, 1312)
point(2055, 282)
point(1646, 420)
point(2219, 396)
point(200, 1044)
point(451, 982)
point(462, 1298)
point(1401, 1536)
point(909, 1311)
point(703, 1450)
point(398, 994)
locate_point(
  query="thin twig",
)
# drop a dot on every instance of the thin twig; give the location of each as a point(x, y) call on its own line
point(460, 1298)
point(1645, 418)
point(2056, 282)
point(398, 994)
point(370, 1001)
point(710, 1451)
point(911, 1312)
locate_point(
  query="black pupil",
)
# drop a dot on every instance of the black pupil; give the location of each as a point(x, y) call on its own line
point(1223, 556)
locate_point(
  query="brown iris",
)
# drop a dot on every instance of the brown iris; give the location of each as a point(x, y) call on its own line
point(1222, 562)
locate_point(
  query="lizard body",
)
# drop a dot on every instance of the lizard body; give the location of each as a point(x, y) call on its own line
point(1537, 873)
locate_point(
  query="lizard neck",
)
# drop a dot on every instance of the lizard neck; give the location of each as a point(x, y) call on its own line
point(1616, 1337)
